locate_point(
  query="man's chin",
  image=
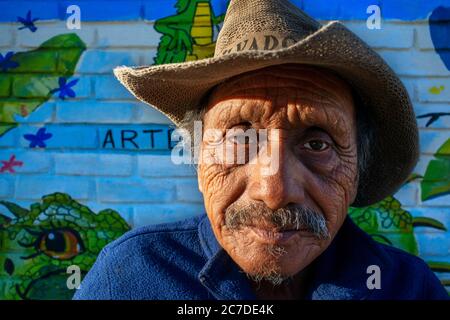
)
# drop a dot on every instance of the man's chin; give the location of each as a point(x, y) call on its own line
point(271, 258)
point(262, 261)
point(274, 278)
point(265, 262)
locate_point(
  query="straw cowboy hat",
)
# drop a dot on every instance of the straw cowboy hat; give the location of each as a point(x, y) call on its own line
point(261, 33)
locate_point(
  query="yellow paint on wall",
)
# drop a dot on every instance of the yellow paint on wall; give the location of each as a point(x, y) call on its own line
point(436, 90)
point(202, 33)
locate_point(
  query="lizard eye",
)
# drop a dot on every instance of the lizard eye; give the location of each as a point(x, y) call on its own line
point(60, 244)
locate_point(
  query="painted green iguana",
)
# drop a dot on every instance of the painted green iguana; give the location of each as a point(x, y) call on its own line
point(189, 34)
point(37, 245)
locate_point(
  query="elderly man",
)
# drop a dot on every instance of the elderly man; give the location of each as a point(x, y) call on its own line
point(345, 136)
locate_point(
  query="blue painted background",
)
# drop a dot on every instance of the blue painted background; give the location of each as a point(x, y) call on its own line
point(154, 9)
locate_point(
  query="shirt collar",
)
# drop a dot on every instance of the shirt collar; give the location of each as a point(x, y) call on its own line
point(220, 275)
point(339, 273)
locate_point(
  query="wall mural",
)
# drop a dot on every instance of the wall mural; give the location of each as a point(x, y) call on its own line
point(39, 243)
point(37, 74)
point(188, 35)
point(436, 182)
point(388, 223)
point(440, 32)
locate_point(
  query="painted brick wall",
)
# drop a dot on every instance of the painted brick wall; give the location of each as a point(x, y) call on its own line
point(107, 150)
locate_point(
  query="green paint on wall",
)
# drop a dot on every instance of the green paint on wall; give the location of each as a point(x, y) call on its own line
point(188, 35)
point(388, 223)
point(26, 87)
point(5, 85)
point(436, 181)
point(37, 245)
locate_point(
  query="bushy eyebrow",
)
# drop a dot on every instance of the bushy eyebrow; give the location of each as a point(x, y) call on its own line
point(324, 115)
point(230, 113)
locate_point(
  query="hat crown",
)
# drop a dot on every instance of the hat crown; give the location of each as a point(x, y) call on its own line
point(262, 25)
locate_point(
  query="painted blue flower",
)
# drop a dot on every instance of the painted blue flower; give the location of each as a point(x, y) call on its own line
point(6, 63)
point(27, 22)
point(65, 88)
point(37, 140)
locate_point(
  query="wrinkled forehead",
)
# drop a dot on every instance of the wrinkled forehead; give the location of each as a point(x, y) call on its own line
point(302, 81)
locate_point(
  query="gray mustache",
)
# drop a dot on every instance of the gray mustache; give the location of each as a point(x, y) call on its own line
point(291, 217)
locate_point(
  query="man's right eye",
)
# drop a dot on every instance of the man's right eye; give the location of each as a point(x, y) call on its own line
point(242, 137)
point(213, 137)
point(238, 139)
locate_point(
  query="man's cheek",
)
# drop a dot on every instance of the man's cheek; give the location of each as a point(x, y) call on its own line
point(222, 188)
point(210, 181)
point(342, 183)
point(346, 176)
point(215, 197)
point(333, 203)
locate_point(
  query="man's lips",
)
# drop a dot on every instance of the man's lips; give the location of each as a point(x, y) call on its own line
point(273, 235)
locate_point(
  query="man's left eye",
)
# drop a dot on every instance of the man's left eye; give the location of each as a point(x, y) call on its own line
point(316, 145)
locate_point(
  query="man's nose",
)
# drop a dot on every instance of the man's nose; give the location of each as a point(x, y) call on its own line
point(282, 186)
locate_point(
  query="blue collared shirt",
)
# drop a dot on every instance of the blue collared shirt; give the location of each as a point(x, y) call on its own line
point(183, 260)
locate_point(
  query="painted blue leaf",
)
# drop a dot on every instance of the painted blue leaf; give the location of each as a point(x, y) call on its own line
point(72, 83)
point(29, 137)
point(62, 81)
point(70, 93)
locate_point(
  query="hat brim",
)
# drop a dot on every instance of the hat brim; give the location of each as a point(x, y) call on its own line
point(176, 88)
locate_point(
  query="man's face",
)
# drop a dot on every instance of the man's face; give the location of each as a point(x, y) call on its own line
point(274, 225)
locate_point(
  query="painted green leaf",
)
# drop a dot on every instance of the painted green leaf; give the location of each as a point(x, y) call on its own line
point(428, 222)
point(438, 266)
point(24, 88)
point(436, 181)
point(4, 220)
point(412, 177)
point(5, 85)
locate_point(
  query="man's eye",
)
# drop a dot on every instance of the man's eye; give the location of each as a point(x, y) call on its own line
point(241, 139)
point(316, 145)
point(237, 139)
point(213, 137)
